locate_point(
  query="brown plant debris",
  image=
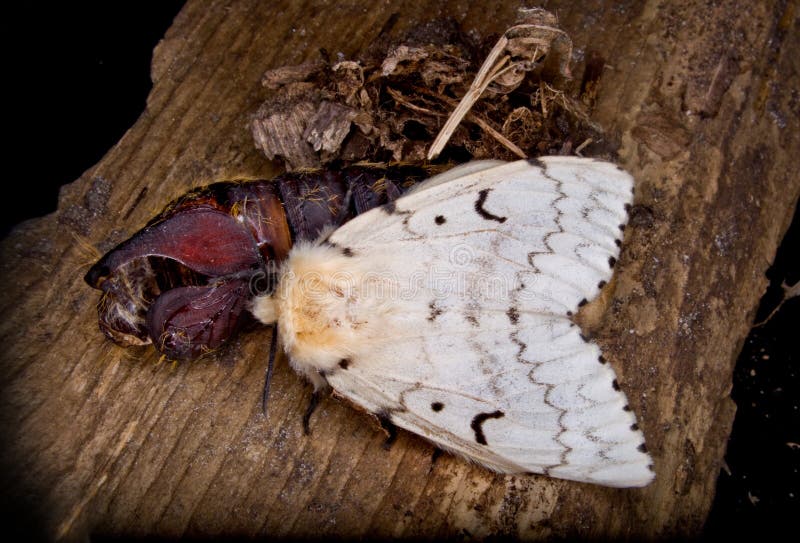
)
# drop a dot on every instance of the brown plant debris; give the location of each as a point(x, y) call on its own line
point(503, 98)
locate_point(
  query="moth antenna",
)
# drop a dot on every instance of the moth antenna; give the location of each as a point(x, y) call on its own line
point(273, 349)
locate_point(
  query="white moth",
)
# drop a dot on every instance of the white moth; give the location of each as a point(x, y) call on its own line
point(449, 313)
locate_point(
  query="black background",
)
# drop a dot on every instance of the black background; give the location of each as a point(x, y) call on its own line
point(79, 75)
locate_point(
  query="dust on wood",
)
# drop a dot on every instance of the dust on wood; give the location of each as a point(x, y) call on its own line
point(699, 100)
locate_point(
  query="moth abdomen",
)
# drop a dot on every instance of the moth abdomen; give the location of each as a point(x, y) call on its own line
point(184, 281)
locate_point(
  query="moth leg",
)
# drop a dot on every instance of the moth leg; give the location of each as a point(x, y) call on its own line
point(312, 406)
point(390, 429)
point(273, 349)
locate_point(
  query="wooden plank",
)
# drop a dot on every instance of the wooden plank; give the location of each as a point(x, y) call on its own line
point(108, 441)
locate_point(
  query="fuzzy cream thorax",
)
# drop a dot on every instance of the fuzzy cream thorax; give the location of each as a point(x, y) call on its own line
point(325, 306)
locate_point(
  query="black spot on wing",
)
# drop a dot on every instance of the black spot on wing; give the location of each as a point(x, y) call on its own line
point(346, 251)
point(513, 315)
point(601, 284)
point(344, 363)
point(482, 195)
point(612, 261)
point(642, 448)
point(615, 384)
point(471, 314)
point(435, 311)
point(477, 424)
point(440, 220)
point(583, 302)
point(437, 406)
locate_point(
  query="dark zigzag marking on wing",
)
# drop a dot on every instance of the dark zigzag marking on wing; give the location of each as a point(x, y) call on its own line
point(594, 193)
point(585, 180)
point(521, 345)
point(559, 214)
point(576, 258)
point(417, 420)
point(548, 387)
point(561, 414)
point(391, 208)
point(562, 427)
point(574, 286)
point(416, 238)
point(424, 422)
point(554, 204)
point(593, 404)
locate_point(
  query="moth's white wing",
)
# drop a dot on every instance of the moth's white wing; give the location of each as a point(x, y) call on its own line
point(538, 401)
point(557, 221)
point(468, 340)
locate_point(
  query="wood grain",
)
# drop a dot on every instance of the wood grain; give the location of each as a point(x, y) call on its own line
point(702, 103)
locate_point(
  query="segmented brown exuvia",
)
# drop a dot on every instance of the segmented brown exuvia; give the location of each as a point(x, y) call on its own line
point(184, 281)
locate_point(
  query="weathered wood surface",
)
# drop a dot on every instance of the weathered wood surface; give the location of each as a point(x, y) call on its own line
point(703, 102)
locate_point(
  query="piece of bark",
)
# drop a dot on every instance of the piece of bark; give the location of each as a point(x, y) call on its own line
point(108, 441)
point(283, 129)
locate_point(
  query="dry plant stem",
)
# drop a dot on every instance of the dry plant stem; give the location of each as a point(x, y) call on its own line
point(402, 100)
point(484, 125)
point(505, 142)
point(491, 69)
point(583, 146)
point(472, 116)
point(489, 129)
point(482, 80)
